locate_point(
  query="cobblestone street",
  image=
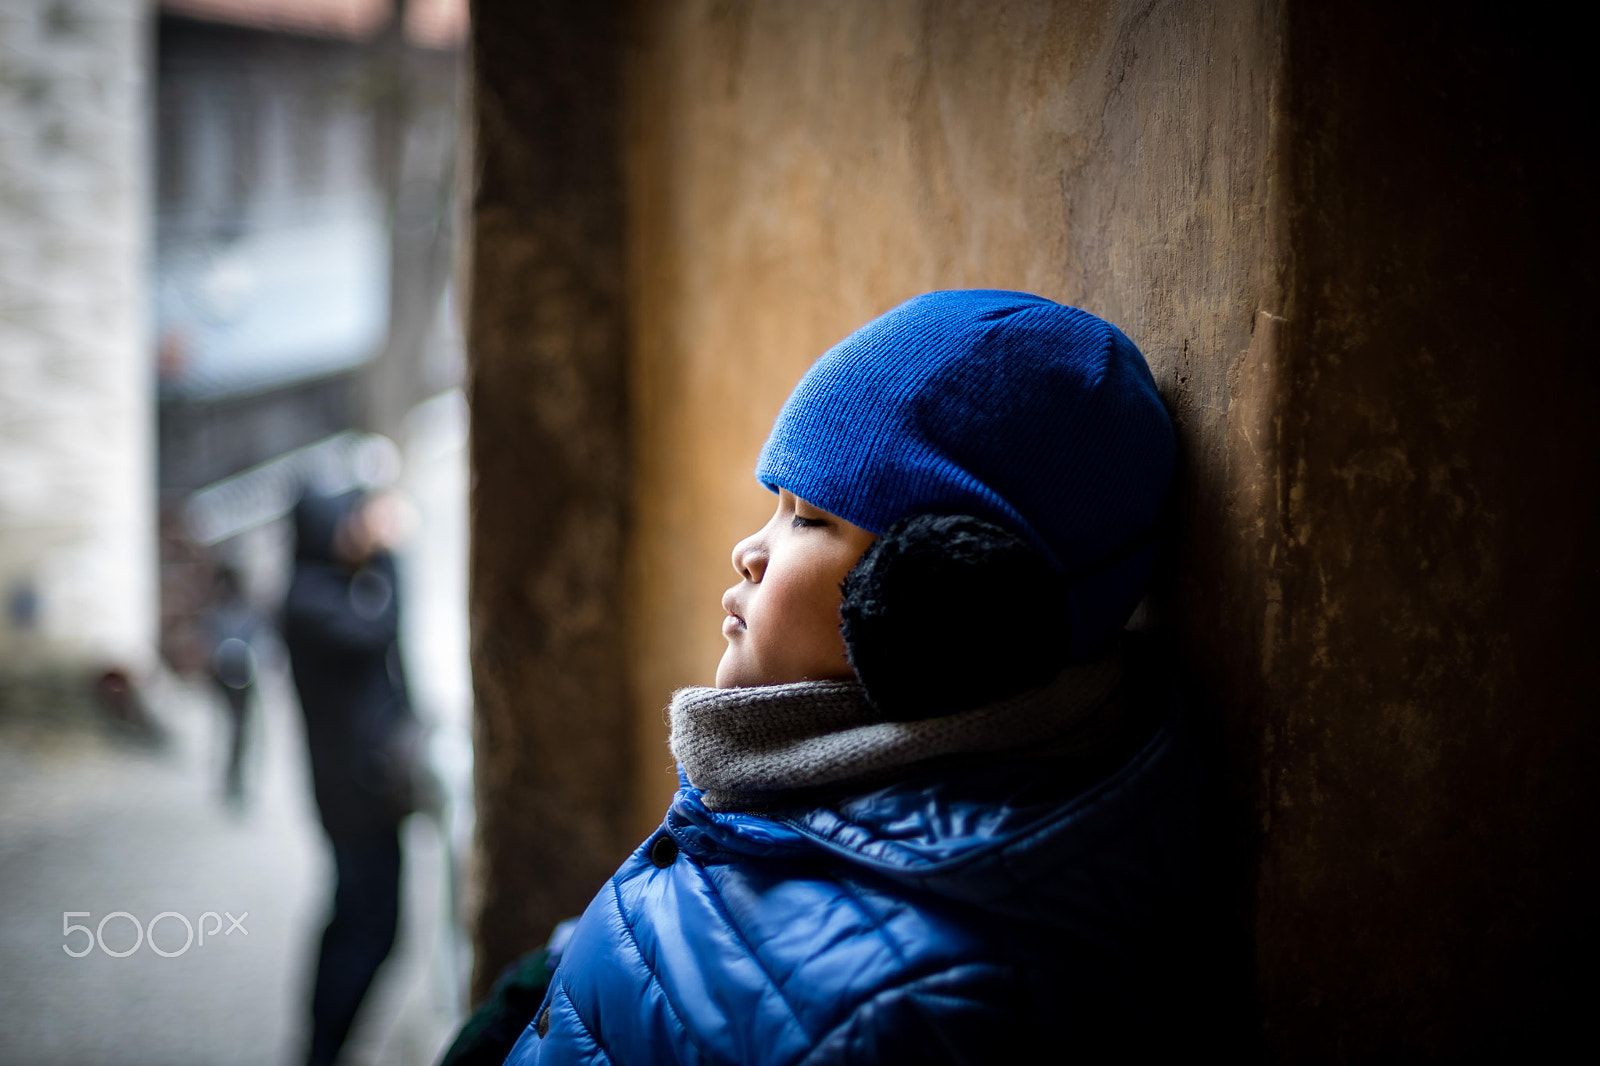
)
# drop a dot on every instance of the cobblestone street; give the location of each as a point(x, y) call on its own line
point(92, 825)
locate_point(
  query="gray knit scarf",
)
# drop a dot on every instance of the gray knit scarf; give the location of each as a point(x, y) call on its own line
point(748, 748)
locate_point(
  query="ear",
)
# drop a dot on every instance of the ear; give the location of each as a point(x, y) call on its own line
point(944, 613)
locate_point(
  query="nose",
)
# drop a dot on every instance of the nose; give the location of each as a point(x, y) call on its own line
point(750, 558)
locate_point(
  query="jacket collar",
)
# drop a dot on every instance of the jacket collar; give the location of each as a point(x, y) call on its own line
point(755, 748)
point(1012, 832)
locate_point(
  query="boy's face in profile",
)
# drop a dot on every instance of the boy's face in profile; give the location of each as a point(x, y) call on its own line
point(783, 617)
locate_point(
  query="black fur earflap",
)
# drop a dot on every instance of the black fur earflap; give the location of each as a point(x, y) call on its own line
point(949, 612)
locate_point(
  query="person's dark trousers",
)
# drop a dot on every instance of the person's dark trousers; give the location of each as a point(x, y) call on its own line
point(366, 911)
point(238, 721)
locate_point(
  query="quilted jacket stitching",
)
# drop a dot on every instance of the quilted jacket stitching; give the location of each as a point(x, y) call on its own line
point(672, 1008)
point(744, 942)
point(1118, 784)
point(879, 925)
point(897, 989)
point(590, 1033)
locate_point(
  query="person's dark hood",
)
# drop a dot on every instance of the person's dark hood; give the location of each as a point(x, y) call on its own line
point(316, 523)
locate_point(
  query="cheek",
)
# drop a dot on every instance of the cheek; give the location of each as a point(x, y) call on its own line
point(801, 623)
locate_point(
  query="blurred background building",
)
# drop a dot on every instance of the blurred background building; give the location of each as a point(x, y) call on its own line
point(302, 242)
point(242, 207)
point(77, 534)
point(226, 248)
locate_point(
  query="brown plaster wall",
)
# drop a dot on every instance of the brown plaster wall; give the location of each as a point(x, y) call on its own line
point(796, 169)
point(1345, 242)
point(1427, 872)
point(546, 385)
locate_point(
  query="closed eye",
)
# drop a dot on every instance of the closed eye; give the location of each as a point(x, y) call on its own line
point(801, 522)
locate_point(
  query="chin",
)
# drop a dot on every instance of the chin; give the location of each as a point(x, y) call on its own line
point(727, 672)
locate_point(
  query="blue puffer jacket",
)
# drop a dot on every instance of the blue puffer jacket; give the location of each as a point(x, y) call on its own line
point(975, 914)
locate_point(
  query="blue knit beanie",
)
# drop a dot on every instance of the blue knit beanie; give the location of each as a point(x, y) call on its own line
point(1041, 418)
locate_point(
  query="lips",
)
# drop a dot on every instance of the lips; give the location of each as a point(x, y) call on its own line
point(734, 623)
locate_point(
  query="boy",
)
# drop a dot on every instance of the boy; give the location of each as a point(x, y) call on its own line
point(935, 810)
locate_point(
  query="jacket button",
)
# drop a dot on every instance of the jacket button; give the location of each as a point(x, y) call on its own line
point(664, 850)
point(542, 1026)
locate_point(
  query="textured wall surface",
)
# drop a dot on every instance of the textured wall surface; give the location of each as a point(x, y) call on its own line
point(77, 528)
point(545, 365)
point(798, 169)
point(1348, 247)
point(1428, 865)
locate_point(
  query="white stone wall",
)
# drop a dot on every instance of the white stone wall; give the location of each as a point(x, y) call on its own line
point(77, 523)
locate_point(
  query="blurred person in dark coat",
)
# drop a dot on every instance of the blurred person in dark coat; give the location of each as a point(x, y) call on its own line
point(341, 627)
point(231, 625)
